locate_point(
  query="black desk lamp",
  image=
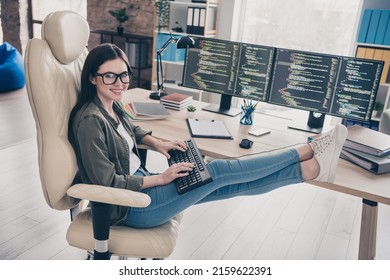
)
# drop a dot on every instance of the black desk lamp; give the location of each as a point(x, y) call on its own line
point(181, 43)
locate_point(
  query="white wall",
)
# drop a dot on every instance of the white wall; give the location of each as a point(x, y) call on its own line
point(228, 19)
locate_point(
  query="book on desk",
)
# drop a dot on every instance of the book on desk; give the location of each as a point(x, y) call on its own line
point(374, 164)
point(141, 111)
point(176, 101)
point(368, 141)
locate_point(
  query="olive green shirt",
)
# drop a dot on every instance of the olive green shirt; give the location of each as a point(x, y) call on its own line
point(102, 153)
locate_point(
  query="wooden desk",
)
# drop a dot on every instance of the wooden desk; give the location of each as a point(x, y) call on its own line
point(350, 179)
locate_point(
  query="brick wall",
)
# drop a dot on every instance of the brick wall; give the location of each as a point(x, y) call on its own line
point(10, 23)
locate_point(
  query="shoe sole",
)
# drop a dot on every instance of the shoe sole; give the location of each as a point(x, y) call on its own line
point(342, 133)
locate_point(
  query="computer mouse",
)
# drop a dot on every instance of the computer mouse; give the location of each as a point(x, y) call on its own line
point(246, 143)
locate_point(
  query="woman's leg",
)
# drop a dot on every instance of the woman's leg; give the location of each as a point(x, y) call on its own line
point(250, 176)
point(230, 178)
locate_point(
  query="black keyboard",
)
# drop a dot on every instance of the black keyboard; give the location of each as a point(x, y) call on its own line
point(198, 176)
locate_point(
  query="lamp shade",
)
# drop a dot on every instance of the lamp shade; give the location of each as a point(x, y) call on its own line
point(185, 42)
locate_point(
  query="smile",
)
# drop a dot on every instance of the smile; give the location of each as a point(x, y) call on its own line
point(117, 91)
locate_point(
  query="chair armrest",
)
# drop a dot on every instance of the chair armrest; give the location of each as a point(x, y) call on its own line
point(109, 195)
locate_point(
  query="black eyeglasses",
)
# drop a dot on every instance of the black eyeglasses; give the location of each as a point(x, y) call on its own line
point(110, 78)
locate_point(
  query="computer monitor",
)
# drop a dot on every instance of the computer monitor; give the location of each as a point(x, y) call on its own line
point(323, 84)
point(230, 69)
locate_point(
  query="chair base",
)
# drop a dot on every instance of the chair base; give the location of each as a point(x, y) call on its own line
point(154, 243)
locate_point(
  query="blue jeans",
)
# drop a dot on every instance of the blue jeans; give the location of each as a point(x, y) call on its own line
point(231, 178)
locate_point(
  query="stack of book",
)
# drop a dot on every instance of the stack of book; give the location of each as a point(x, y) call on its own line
point(176, 101)
point(368, 149)
point(141, 111)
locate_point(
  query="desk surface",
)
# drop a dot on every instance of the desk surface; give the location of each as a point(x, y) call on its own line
point(350, 179)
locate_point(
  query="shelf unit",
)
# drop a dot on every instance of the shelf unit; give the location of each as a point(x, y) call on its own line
point(377, 52)
point(179, 17)
point(373, 43)
point(173, 59)
point(136, 47)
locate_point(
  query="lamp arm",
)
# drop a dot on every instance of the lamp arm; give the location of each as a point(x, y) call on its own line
point(160, 78)
point(167, 43)
point(187, 43)
point(160, 75)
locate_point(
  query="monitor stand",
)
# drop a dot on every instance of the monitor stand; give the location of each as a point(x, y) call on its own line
point(314, 124)
point(232, 112)
point(223, 107)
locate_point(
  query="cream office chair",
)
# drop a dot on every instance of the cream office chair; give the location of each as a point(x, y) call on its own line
point(53, 67)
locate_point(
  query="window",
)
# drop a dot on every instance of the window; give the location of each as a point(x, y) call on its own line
point(40, 8)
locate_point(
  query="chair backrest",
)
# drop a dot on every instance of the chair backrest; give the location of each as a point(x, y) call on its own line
point(384, 124)
point(53, 67)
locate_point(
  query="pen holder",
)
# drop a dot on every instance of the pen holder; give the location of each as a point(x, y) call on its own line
point(247, 114)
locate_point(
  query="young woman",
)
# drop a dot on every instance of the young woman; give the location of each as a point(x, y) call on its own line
point(105, 142)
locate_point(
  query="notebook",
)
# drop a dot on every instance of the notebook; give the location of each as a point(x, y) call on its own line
point(150, 109)
point(208, 129)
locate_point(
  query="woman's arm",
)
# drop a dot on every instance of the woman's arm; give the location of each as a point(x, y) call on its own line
point(164, 147)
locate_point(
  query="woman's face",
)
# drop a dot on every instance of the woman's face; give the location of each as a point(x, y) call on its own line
point(111, 80)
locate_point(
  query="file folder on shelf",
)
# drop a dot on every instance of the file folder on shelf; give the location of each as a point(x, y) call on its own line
point(190, 20)
point(372, 29)
point(383, 25)
point(196, 20)
point(202, 21)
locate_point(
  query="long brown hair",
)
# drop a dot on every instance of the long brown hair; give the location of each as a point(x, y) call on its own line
point(96, 57)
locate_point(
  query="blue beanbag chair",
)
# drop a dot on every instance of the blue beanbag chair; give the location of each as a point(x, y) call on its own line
point(11, 68)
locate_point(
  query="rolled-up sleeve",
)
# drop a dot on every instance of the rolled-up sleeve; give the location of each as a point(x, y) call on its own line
point(139, 133)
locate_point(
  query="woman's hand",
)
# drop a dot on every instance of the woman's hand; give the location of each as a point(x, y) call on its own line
point(165, 147)
point(173, 172)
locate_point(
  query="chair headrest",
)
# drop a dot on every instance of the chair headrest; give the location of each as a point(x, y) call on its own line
point(67, 34)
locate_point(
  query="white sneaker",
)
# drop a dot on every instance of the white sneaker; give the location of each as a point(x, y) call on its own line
point(327, 149)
